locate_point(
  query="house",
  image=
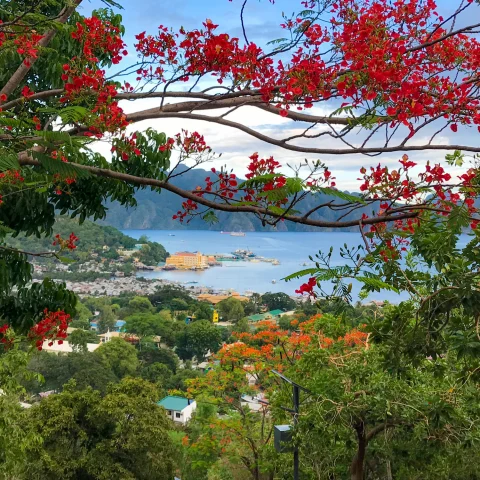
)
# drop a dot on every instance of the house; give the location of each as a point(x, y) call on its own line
point(179, 409)
point(65, 347)
point(128, 337)
point(271, 315)
point(119, 324)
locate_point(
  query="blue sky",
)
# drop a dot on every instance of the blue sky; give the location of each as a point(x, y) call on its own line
point(262, 20)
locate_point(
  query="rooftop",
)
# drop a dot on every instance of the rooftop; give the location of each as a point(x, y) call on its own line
point(174, 403)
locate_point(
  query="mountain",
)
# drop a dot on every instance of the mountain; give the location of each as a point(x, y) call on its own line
point(155, 210)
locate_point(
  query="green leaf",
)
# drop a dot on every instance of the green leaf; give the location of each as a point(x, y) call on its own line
point(301, 273)
point(376, 284)
point(8, 161)
point(294, 185)
point(339, 194)
point(64, 169)
point(66, 260)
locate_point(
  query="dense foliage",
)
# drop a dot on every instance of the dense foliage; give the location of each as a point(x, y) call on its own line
point(387, 395)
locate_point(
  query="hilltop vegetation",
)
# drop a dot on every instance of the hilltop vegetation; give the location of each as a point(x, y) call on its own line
point(101, 240)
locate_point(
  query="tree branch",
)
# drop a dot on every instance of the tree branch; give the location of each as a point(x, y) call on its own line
point(26, 159)
point(23, 69)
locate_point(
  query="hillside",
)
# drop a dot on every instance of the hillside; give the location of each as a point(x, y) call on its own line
point(155, 211)
point(95, 240)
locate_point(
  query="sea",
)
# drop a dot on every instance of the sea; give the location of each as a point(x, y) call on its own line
point(291, 249)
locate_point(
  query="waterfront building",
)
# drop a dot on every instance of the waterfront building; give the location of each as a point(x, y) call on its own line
point(187, 260)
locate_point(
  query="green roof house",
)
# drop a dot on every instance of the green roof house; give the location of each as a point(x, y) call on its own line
point(179, 409)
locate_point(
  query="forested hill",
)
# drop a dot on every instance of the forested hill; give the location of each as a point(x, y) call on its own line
point(93, 238)
point(155, 211)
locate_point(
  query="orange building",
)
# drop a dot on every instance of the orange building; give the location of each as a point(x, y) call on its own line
point(187, 260)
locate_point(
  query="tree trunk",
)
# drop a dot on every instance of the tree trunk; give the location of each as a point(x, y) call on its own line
point(389, 470)
point(356, 468)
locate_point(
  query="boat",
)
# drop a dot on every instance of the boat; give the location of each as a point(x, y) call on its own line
point(275, 262)
point(171, 234)
point(225, 233)
point(274, 281)
point(237, 234)
point(241, 253)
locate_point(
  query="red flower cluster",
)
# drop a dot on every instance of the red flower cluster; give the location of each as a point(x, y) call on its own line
point(99, 38)
point(6, 336)
point(109, 116)
point(168, 145)
point(126, 146)
point(189, 207)
point(27, 46)
point(376, 59)
point(307, 288)
point(66, 244)
point(26, 92)
point(191, 143)
point(12, 177)
point(53, 327)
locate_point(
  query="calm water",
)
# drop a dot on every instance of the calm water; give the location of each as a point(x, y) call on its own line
point(290, 248)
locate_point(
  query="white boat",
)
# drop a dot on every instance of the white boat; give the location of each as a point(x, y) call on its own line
point(237, 234)
point(274, 281)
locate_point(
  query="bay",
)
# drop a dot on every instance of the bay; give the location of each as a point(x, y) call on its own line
point(291, 249)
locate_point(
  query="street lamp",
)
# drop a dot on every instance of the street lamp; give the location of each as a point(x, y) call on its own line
point(284, 434)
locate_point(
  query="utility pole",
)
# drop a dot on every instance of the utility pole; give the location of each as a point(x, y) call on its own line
point(296, 410)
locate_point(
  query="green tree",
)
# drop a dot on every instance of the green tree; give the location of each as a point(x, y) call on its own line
point(164, 295)
point(178, 304)
point(140, 305)
point(231, 309)
point(82, 318)
point(120, 356)
point(148, 324)
point(86, 369)
point(78, 339)
point(106, 320)
point(157, 373)
point(152, 253)
point(278, 301)
point(242, 326)
point(197, 339)
point(253, 306)
point(203, 311)
point(150, 354)
point(285, 322)
point(84, 435)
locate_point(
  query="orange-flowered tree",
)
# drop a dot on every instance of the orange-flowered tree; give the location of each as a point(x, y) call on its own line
point(359, 420)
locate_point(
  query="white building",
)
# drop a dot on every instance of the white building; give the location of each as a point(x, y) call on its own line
point(65, 347)
point(178, 409)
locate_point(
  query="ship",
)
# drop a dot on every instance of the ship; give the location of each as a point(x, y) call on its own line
point(240, 253)
point(237, 234)
point(225, 233)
